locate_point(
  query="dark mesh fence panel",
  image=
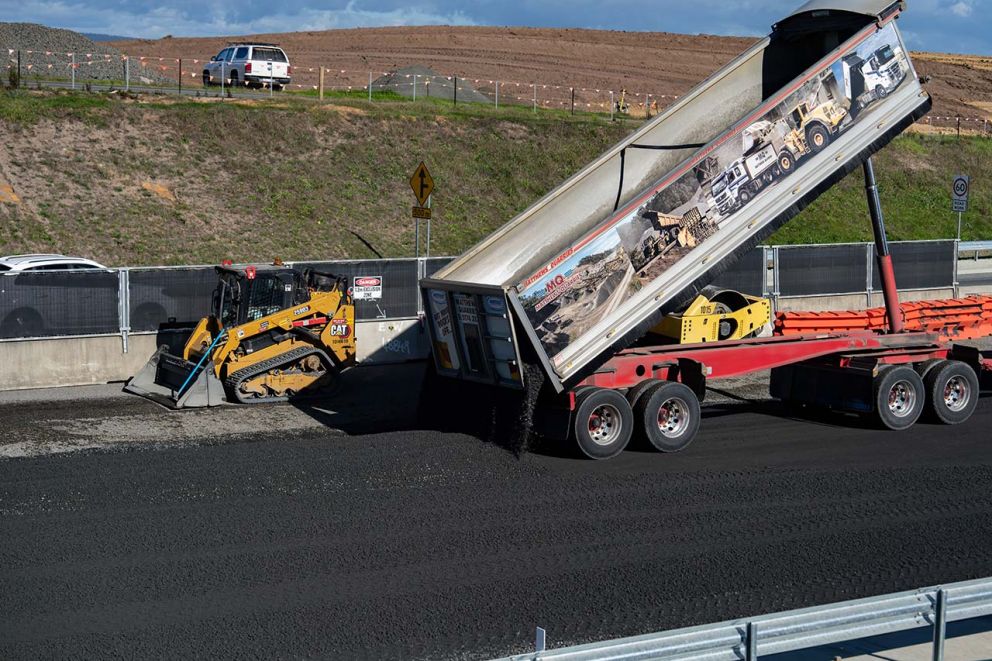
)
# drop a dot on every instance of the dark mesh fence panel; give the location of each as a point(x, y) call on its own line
point(399, 285)
point(434, 264)
point(746, 275)
point(158, 295)
point(811, 270)
point(920, 265)
point(48, 304)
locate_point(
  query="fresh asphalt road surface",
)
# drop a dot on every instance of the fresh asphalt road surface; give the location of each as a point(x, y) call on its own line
point(260, 531)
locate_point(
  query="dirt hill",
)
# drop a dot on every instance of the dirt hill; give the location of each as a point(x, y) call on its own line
point(154, 180)
point(656, 63)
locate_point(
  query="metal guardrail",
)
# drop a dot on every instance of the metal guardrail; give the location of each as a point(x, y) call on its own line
point(748, 639)
point(974, 247)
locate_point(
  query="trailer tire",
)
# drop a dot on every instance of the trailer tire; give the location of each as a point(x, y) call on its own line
point(603, 423)
point(635, 393)
point(899, 397)
point(667, 416)
point(745, 196)
point(952, 390)
point(817, 137)
point(880, 92)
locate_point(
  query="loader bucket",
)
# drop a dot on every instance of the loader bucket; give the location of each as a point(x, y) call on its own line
point(161, 380)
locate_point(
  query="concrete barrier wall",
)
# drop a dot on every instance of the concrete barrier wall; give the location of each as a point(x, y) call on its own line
point(76, 361)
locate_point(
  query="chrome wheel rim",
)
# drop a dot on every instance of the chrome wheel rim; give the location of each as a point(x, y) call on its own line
point(902, 399)
point(956, 393)
point(673, 417)
point(605, 424)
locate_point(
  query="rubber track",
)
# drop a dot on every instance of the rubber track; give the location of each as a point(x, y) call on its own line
point(233, 381)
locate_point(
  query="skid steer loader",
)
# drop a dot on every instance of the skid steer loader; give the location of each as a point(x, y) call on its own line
point(274, 332)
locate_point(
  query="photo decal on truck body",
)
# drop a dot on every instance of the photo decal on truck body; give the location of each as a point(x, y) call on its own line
point(633, 248)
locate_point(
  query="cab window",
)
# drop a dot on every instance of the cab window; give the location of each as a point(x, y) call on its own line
point(242, 53)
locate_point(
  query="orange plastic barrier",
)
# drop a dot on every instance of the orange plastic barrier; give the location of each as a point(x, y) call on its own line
point(951, 319)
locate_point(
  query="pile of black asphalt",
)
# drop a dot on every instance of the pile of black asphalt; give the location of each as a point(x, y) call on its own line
point(417, 544)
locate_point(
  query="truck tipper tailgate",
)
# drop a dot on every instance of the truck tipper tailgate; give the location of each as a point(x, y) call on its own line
point(582, 287)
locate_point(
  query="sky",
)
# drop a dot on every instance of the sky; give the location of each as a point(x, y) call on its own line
point(957, 26)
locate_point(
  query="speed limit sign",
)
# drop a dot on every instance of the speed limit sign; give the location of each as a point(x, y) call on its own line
point(959, 193)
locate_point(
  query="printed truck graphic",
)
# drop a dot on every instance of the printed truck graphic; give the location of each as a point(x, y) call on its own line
point(635, 247)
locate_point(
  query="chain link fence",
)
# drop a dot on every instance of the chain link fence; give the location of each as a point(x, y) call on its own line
point(143, 299)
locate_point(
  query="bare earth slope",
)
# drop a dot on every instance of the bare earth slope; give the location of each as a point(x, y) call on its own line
point(643, 62)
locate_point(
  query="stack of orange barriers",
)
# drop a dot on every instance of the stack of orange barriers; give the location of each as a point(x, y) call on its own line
point(951, 319)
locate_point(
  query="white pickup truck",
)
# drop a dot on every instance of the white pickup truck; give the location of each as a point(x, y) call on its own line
point(251, 64)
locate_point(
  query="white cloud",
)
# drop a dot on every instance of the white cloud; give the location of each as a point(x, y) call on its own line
point(962, 9)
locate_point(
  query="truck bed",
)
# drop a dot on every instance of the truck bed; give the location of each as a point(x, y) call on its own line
point(590, 267)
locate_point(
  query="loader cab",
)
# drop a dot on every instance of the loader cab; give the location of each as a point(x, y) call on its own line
point(248, 293)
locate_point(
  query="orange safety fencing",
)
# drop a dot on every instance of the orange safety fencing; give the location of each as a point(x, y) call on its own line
point(951, 319)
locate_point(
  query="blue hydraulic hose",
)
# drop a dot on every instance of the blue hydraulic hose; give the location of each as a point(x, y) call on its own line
point(196, 369)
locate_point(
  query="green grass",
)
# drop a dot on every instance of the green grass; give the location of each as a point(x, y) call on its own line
point(914, 177)
point(293, 178)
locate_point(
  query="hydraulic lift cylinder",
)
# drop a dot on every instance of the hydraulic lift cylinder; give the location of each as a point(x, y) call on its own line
point(885, 270)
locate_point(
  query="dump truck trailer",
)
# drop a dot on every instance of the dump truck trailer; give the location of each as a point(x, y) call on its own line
point(568, 301)
point(558, 285)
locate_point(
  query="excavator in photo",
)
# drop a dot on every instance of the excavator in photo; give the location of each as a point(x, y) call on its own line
point(273, 333)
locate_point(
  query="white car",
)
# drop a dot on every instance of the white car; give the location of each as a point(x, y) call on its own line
point(251, 64)
point(41, 262)
point(45, 295)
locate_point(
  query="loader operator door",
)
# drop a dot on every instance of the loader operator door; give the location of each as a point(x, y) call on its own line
point(239, 299)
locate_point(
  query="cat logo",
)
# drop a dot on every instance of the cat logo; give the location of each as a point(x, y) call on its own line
point(303, 310)
point(340, 328)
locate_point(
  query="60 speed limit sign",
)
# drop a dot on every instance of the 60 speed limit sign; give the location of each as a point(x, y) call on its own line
point(959, 193)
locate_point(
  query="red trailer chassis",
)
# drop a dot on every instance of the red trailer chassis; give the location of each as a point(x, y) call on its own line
point(896, 362)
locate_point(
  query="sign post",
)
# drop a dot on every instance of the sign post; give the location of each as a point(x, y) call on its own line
point(423, 185)
point(959, 197)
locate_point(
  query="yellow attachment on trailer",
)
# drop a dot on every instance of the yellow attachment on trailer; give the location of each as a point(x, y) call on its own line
point(717, 315)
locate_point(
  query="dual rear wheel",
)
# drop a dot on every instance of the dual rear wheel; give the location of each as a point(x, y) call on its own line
point(947, 392)
point(663, 415)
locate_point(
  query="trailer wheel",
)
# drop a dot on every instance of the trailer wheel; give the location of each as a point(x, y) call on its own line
point(817, 137)
point(635, 393)
point(745, 196)
point(603, 423)
point(880, 92)
point(668, 416)
point(952, 392)
point(899, 397)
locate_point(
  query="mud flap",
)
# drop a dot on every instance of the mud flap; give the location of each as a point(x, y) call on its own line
point(163, 377)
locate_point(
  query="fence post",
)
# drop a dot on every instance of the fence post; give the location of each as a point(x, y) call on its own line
point(124, 305)
point(869, 271)
point(455, 81)
point(320, 85)
point(370, 87)
point(611, 105)
point(775, 288)
point(497, 95)
point(573, 100)
point(751, 649)
point(939, 625)
point(127, 73)
point(72, 64)
point(180, 76)
point(535, 97)
point(414, 87)
point(959, 126)
point(18, 68)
